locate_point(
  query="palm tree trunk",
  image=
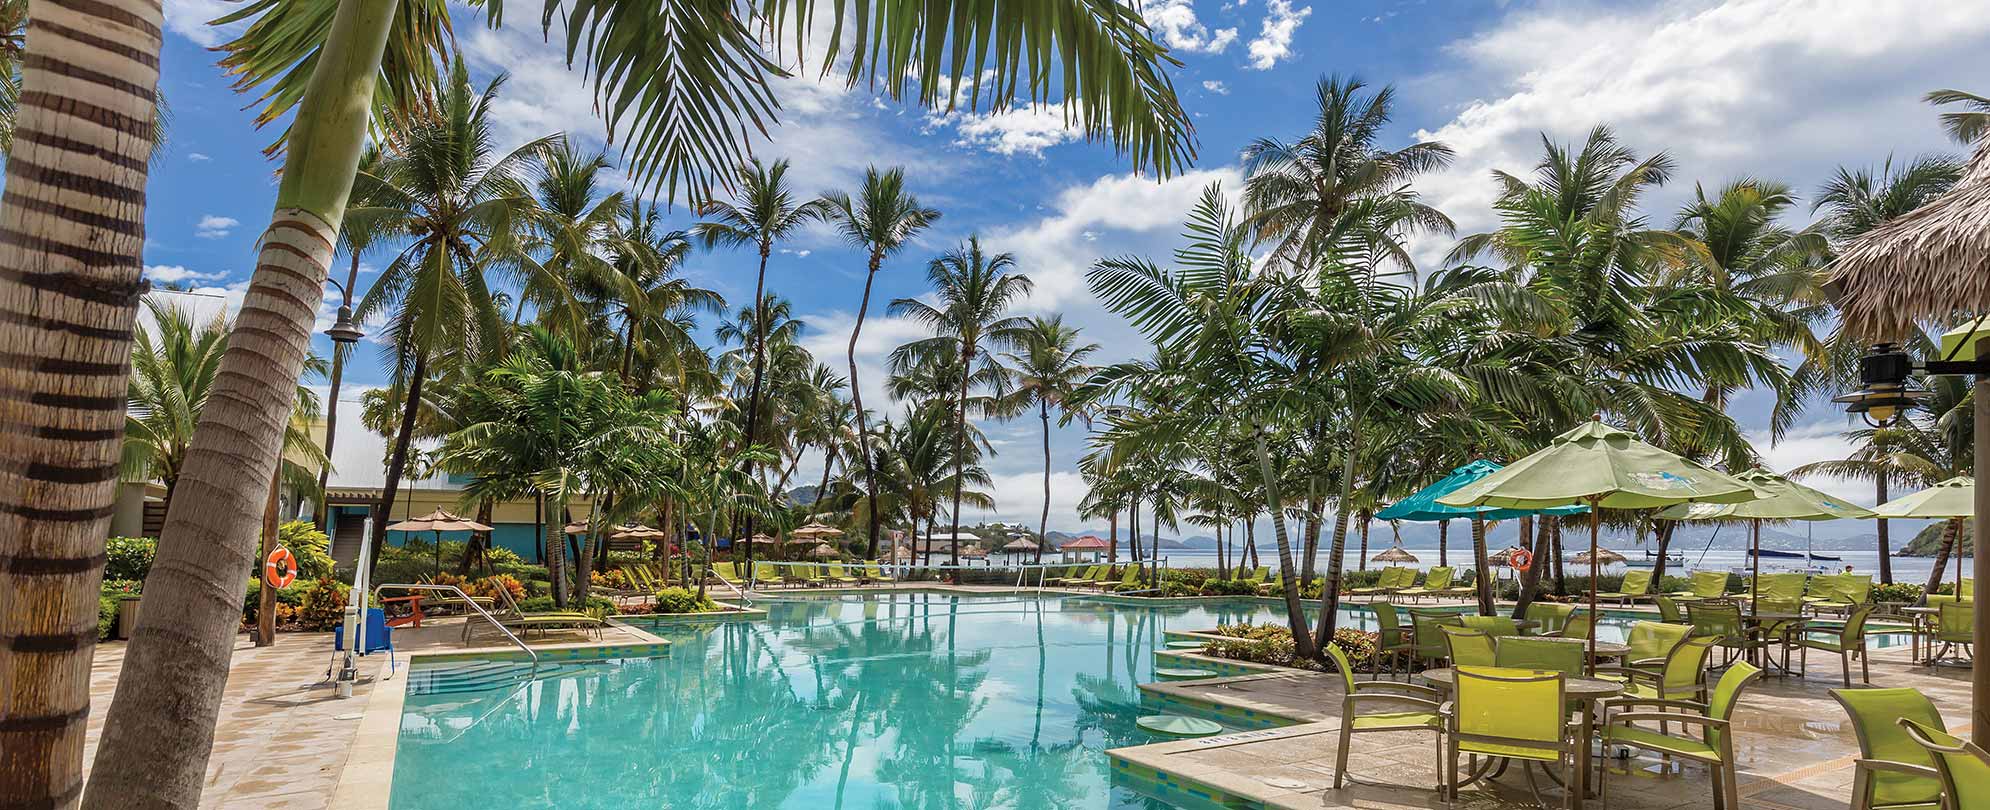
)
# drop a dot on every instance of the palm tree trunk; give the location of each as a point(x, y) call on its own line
point(1444, 542)
point(1250, 550)
point(554, 528)
point(960, 451)
point(1480, 571)
point(1950, 531)
point(1555, 542)
point(266, 595)
point(1043, 521)
point(159, 730)
point(476, 550)
point(863, 424)
point(1112, 540)
point(1662, 541)
point(1330, 594)
point(1133, 528)
point(397, 462)
point(759, 367)
point(72, 231)
point(1312, 547)
point(1361, 561)
point(1879, 526)
point(1303, 644)
point(339, 353)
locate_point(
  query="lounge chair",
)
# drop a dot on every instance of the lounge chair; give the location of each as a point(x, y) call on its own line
point(1852, 591)
point(1132, 576)
point(1390, 581)
point(1435, 582)
point(1636, 583)
point(1092, 575)
point(838, 576)
point(1073, 573)
point(1706, 585)
point(515, 618)
point(765, 574)
point(805, 575)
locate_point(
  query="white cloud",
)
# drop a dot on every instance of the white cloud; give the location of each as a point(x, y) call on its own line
point(1216, 87)
point(1274, 40)
point(1712, 83)
point(1176, 25)
point(213, 226)
point(828, 338)
point(198, 157)
point(174, 274)
point(1805, 444)
point(1023, 129)
point(189, 19)
point(1019, 497)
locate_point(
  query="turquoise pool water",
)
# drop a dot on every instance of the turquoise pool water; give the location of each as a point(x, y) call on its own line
point(896, 700)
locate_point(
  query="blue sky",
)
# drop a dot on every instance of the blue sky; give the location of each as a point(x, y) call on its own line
point(1779, 89)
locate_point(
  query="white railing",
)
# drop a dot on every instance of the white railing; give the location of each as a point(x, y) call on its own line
point(472, 604)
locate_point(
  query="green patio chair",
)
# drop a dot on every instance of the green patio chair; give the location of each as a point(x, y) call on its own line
point(1780, 633)
point(1651, 642)
point(1576, 626)
point(1955, 626)
point(1091, 575)
point(874, 571)
point(1550, 615)
point(1721, 620)
point(1435, 582)
point(1130, 578)
point(1968, 594)
point(1713, 747)
point(837, 575)
point(1892, 771)
point(1682, 675)
point(1636, 583)
point(1850, 591)
point(1668, 609)
point(1963, 767)
point(1405, 707)
point(1705, 585)
point(1495, 626)
point(1512, 714)
point(1467, 647)
point(1777, 586)
point(1385, 583)
point(765, 573)
point(1427, 639)
point(1545, 654)
point(1847, 643)
point(1053, 579)
point(1392, 638)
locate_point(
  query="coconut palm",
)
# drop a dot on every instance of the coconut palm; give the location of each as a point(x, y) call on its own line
point(645, 293)
point(568, 238)
point(881, 220)
point(1855, 201)
point(467, 211)
point(1048, 370)
point(1968, 125)
point(975, 291)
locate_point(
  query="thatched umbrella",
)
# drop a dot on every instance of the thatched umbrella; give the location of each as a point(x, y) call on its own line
point(1021, 545)
point(1603, 556)
point(438, 521)
point(823, 550)
point(1395, 554)
point(974, 551)
point(1930, 265)
point(815, 531)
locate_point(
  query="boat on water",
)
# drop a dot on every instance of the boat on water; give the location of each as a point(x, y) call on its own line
point(1773, 554)
point(1650, 560)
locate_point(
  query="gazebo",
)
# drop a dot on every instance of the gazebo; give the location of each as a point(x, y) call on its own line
point(1089, 544)
point(1021, 545)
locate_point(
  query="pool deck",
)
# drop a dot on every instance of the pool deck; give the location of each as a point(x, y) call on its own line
point(1794, 745)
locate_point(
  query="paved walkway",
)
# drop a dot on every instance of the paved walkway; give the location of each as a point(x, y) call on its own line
point(1794, 744)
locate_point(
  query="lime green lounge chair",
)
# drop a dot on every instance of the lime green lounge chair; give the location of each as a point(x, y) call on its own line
point(1400, 707)
point(1636, 583)
point(1713, 747)
point(1129, 579)
point(1391, 580)
point(1514, 714)
point(802, 574)
point(837, 575)
point(1434, 583)
point(1705, 585)
point(1848, 642)
point(1071, 573)
point(874, 572)
point(1892, 771)
point(515, 618)
point(1091, 575)
point(766, 574)
point(1964, 768)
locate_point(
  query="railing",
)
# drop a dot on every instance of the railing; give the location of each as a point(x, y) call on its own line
point(472, 603)
point(743, 597)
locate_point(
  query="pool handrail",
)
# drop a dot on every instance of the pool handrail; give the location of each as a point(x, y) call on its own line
point(472, 603)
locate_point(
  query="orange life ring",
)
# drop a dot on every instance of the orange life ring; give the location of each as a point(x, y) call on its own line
point(1520, 560)
point(280, 569)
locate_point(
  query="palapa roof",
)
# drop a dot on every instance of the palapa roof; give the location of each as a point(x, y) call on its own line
point(1086, 543)
point(1932, 264)
point(1019, 544)
point(1395, 554)
point(438, 521)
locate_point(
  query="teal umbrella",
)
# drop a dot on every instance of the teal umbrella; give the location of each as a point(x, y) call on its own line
point(1423, 506)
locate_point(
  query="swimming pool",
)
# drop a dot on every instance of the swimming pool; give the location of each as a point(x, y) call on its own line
point(888, 700)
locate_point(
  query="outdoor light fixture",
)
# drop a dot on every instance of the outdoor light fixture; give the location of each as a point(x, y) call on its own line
point(345, 329)
point(1886, 372)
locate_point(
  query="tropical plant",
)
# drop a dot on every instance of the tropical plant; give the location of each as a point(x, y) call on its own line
point(881, 220)
point(1048, 369)
point(1968, 125)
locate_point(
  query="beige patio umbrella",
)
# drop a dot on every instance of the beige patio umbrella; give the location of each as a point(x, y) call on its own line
point(1395, 554)
point(1954, 499)
point(1778, 498)
point(438, 522)
point(815, 531)
point(1601, 556)
point(1600, 467)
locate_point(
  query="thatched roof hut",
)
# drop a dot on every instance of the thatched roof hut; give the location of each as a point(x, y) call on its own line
point(1932, 264)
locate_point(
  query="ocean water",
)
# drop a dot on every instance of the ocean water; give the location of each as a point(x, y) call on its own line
point(1905, 569)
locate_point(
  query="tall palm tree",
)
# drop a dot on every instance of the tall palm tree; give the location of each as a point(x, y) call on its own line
point(1968, 125)
point(644, 292)
point(972, 321)
point(1048, 370)
point(881, 220)
point(467, 210)
point(568, 240)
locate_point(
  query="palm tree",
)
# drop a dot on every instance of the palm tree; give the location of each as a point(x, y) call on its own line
point(13, 46)
point(975, 291)
point(644, 292)
point(569, 242)
point(1048, 371)
point(763, 213)
point(881, 220)
point(356, 241)
point(1969, 125)
point(466, 211)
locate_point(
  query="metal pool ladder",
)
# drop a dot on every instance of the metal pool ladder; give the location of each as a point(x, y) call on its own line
point(472, 603)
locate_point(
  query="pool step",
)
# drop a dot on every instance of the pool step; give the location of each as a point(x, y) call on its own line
point(479, 676)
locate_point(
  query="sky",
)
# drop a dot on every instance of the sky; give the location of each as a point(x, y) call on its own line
point(1784, 90)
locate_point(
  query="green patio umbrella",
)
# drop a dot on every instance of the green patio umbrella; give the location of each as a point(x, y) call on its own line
point(1954, 499)
point(1777, 498)
point(1603, 468)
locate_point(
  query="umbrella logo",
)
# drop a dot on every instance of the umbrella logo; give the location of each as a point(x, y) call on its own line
point(1662, 480)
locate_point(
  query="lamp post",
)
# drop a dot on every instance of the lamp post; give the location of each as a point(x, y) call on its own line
point(344, 332)
point(1884, 371)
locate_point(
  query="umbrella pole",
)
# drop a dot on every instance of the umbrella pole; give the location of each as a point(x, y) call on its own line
point(1595, 530)
point(1755, 566)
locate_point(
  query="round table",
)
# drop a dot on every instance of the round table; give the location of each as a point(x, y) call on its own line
point(1794, 624)
point(1586, 691)
point(1920, 616)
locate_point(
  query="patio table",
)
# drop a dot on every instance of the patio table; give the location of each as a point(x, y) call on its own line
point(1919, 618)
point(1793, 624)
point(1586, 692)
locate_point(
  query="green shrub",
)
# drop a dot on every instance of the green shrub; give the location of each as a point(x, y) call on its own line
point(1897, 592)
point(292, 596)
point(1257, 643)
point(128, 557)
point(683, 600)
point(114, 591)
point(1360, 579)
point(323, 607)
point(544, 604)
point(310, 546)
point(1228, 587)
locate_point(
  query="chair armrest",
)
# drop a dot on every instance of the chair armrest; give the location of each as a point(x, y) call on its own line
point(1667, 717)
point(1351, 701)
point(1685, 705)
point(1897, 767)
point(1389, 686)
